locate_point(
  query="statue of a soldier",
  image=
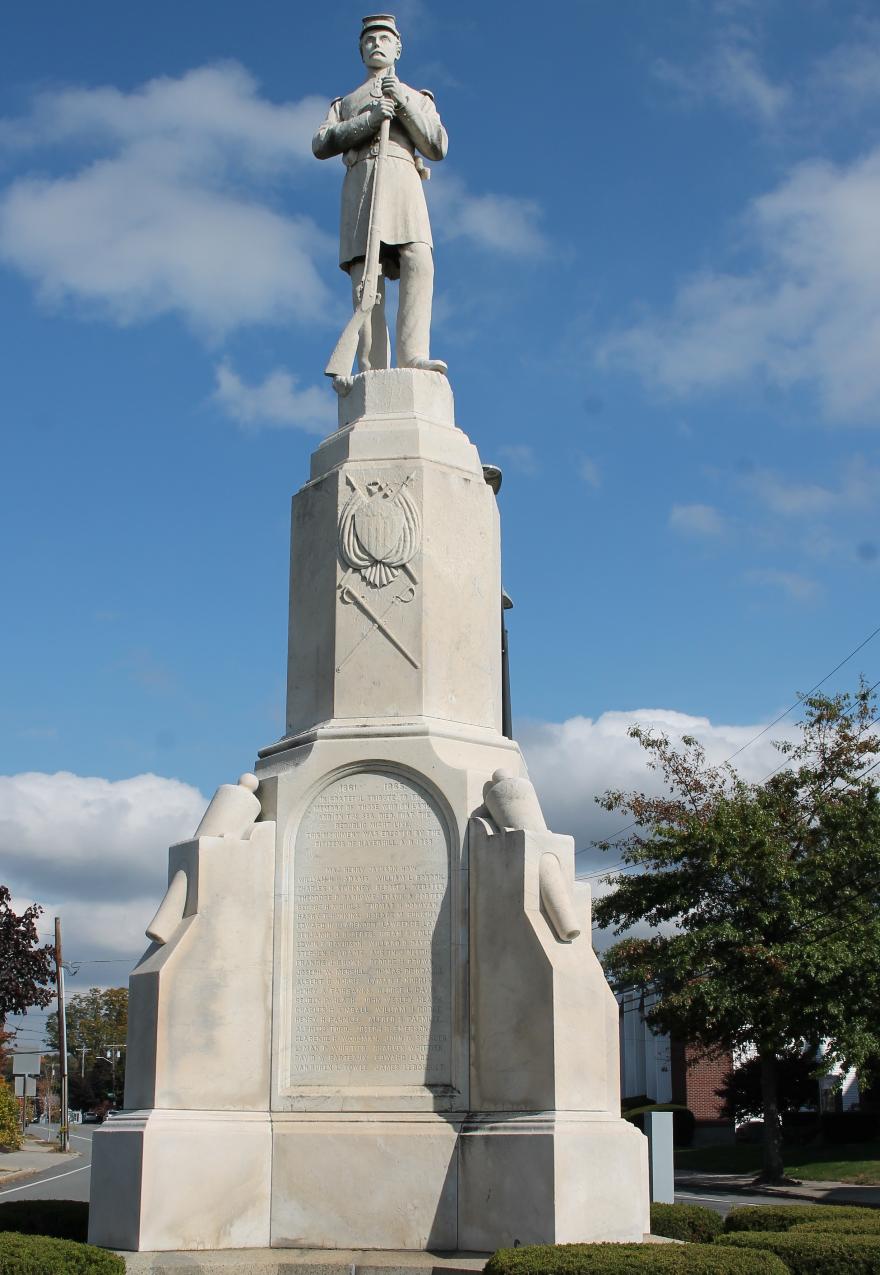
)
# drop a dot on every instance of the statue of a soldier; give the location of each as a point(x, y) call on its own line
point(351, 129)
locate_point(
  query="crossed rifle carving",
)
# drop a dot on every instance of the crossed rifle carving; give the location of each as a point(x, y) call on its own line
point(348, 596)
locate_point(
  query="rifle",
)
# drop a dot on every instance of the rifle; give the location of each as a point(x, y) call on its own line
point(346, 347)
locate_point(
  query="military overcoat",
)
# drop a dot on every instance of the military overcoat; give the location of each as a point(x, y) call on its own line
point(415, 131)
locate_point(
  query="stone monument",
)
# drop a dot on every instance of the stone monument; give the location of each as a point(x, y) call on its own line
point(370, 1015)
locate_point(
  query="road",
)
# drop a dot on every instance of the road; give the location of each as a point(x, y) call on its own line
point(70, 1182)
point(723, 1201)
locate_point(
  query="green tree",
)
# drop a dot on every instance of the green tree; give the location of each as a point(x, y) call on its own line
point(10, 1128)
point(768, 894)
point(97, 1023)
point(798, 1085)
point(27, 970)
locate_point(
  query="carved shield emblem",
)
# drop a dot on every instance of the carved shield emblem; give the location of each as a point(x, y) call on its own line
point(379, 530)
point(379, 525)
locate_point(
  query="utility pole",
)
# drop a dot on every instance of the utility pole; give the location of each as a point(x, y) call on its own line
point(114, 1051)
point(64, 1131)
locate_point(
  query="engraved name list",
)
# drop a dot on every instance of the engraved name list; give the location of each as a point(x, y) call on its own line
point(372, 961)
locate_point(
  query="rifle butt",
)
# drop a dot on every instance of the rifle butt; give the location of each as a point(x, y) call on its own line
point(342, 358)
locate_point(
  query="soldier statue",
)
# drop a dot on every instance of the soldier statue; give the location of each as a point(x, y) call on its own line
point(352, 129)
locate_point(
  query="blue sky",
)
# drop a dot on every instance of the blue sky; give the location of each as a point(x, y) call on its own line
point(658, 291)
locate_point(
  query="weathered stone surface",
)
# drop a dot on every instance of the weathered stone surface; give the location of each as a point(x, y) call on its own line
point(374, 1018)
point(394, 606)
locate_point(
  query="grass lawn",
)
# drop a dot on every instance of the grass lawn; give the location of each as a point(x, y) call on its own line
point(857, 1162)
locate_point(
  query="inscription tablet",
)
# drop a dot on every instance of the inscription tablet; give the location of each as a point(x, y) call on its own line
point(372, 961)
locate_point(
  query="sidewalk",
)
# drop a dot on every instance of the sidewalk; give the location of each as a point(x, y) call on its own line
point(36, 1155)
point(810, 1192)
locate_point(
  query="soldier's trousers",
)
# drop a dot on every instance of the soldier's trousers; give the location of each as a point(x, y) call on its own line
point(413, 335)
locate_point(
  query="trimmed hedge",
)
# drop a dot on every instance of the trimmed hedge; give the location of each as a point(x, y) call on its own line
point(60, 1219)
point(828, 1254)
point(620, 1259)
point(840, 1225)
point(840, 1127)
point(691, 1222)
point(39, 1255)
point(782, 1217)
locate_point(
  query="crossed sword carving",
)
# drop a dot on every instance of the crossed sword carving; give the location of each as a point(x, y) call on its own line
point(347, 595)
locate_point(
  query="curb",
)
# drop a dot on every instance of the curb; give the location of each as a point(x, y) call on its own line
point(778, 1193)
point(13, 1175)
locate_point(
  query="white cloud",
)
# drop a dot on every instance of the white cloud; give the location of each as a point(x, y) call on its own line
point(170, 204)
point(521, 457)
point(275, 402)
point(696, 520)
point(91, 839)
point(808, 312)
point(589, 472)
point(211, 112)
point(788, 498)
point(848, 77)
point(506, 224)
point(791, 584)
point(858, 488)
point(574, 761)
point(95, 853)
point(731, 75)
point(155, 222)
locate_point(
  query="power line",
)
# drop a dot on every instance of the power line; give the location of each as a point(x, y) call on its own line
point(616, 836)
point(848, 715)
point(800, 699)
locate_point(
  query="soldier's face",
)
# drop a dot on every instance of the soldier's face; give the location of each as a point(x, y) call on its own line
point(379, 49)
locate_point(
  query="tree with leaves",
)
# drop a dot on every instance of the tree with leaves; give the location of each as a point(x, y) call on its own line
point(10, 1124)
point(767, 893)
point(27, 970)
point(798, 1072)
point(97, 1023)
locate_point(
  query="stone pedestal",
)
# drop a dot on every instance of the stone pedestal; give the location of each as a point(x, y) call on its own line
point(394, 1036)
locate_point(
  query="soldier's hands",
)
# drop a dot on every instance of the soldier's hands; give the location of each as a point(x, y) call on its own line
point(392, 87)
point(382, 110)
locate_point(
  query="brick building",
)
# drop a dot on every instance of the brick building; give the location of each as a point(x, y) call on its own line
point(663, 1069)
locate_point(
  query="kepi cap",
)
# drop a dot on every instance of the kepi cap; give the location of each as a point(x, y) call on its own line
point(379, 22)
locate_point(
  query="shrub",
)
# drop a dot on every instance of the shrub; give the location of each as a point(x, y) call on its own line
point(39, 1255)
point(782, 1217)
point(639, 1100)
point(840, 1225)
point(683, 1120)
point(620, 1259)
point(832, 1254)
point(690, 1222)
point(838, 1127)
point(61, 1219)
point(10, 1126)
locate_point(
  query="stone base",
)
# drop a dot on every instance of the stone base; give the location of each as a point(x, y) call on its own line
point(362, 1181)
point(563, 1178)
point(305, 1261)
point(194, 1180)
point(181, 1180)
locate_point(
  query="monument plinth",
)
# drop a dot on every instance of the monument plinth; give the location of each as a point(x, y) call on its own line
point(370, 1016)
